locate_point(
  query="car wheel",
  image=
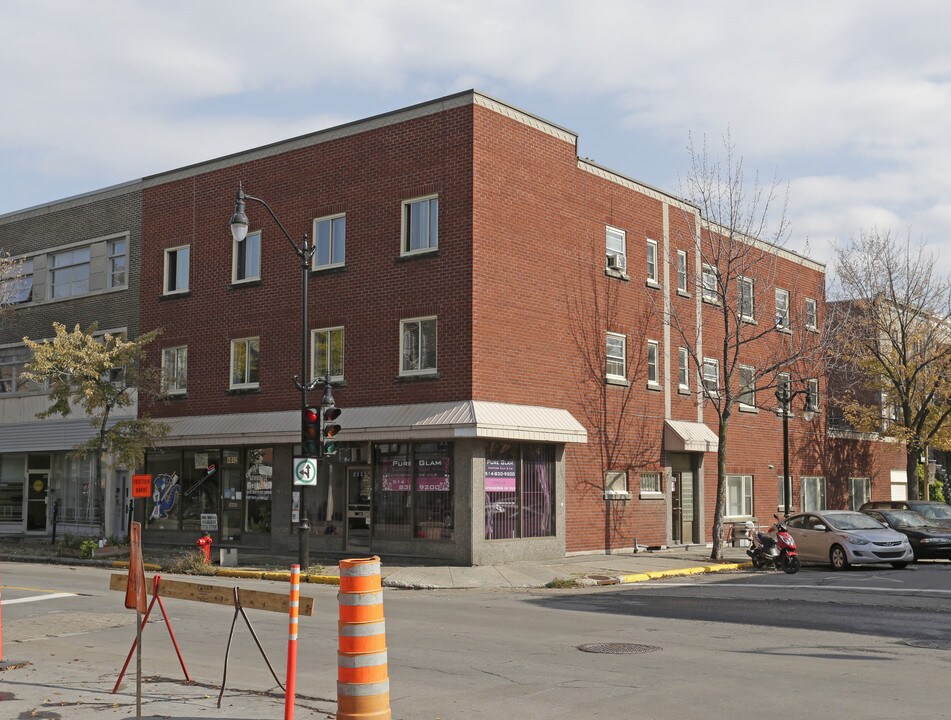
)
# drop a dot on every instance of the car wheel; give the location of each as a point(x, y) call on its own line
point(837, 558)
point(899, 565)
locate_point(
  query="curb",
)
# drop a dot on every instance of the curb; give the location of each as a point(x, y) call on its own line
point(660, 574)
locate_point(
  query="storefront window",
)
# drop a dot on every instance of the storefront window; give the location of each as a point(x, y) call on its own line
point(12, 478)
point(164, 507)
point(519, 491)
point(259, 478)
point(413, 491)
point(73, 484)
point(201, 489)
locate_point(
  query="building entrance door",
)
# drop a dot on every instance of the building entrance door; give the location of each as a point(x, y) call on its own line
point(359, 487)
point(682, 508)
point(38, 482)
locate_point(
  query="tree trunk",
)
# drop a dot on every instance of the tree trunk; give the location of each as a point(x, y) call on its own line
point(719, 507)
point(912, 455)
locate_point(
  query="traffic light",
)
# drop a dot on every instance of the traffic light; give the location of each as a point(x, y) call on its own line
point(329, 428)
point(310, 432)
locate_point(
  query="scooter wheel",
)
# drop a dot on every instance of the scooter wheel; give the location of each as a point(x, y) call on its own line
point(758, 562)
point(792, 564)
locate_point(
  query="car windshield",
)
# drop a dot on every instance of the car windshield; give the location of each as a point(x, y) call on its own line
point(936, 512)
point(853, 521)
point(906, 518)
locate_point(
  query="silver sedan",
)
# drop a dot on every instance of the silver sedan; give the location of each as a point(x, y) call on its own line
point(844, 537)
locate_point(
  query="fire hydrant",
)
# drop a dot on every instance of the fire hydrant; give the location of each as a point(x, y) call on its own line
point(205, 544)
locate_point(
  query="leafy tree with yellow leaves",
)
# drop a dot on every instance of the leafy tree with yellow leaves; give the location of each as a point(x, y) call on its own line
point(98, 374)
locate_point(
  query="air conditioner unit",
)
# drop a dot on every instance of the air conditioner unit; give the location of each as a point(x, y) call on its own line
point(616, 262)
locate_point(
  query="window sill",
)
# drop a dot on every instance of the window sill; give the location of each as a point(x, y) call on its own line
point(244, 390)
point(418, 254)
point(654, 387)
point(173, 295)
point(749, 409)
point(617, 495)
point(614, 380)
point(748, 320)
point(683, 293)
point(711, 301)
point(783, 329)
point(652, 284)
point(650, 495)
point(329, 269)
point(812, 328)
point(434, 375)
point(683, 390)
point(178, 395)
point(619, 274)
point(254, 282)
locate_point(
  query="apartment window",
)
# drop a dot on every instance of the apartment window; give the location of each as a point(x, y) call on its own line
point(652, 262)
point(782, 308)
point(653, 350)
point(16, 284)
point(330, 240)
point(711, 376)
point(616, 354)
point(245, 363)
point(418, 346)
point(812, 315)
point(616, 248)
point(176, 270)
point(682, 285)
point(247, 258)
point(327, 353)
point(615, 485)
point(784, 489)
point(812, 395)
point(747, 386)
point(683, 377)
point(710, 280)
point(739, 495)
point(860, 492)
point(746, 299)
point(813, 493)
point(69, 273)
point(420, 225)
point(650, 483)
point(118, 263)
point(175, 370)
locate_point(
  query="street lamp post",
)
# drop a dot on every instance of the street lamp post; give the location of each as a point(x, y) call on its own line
point(304, 251)
point(785, 396)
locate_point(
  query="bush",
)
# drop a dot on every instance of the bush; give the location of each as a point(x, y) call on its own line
point(191, 562)
point(86, 547)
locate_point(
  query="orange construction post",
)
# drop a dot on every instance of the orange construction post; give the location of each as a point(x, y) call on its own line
point(363, 685)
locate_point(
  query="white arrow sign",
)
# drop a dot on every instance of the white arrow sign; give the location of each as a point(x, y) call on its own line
point(305, 471)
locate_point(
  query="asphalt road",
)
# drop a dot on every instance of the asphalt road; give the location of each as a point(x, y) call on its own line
point(869, 643)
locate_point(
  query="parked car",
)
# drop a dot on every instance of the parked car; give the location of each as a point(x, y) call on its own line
point(846, 537)
point(931, 509)
point(928, 538)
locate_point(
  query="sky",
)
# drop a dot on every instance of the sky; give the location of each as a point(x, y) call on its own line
point(847, 103)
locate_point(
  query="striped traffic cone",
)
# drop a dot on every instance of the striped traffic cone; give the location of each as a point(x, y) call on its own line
point(363, 685)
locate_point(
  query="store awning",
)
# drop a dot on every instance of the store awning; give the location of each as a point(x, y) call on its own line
point(51, 435)
point(423, 421)
point(683, 436)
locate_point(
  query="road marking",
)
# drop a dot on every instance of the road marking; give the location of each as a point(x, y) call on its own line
point(860, 588)
point(35, 598)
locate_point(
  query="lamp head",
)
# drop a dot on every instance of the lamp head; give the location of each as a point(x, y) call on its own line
point(239, 221)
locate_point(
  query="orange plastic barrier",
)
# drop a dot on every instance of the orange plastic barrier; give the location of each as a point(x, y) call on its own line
point(363, 685)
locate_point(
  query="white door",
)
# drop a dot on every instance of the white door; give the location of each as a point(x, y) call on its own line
point(899, 485)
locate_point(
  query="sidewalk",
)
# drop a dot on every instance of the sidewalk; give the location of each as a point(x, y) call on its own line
point(582, 570)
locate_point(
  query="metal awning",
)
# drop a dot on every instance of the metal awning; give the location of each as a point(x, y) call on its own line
point(51, 435)
point(424, 421)
point(683, 436)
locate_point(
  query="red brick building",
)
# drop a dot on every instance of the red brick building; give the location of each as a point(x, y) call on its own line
point(503, 324)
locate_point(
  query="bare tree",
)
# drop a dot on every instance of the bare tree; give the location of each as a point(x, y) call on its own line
point(892, 332)
point(734, 339)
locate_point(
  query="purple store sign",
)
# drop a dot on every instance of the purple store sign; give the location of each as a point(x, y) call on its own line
point(397, 475)
point(500, 476)
point(432, 474)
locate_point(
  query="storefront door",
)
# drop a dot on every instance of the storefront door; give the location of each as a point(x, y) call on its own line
point(38, 482)
point(359, 485)
point(681, 507)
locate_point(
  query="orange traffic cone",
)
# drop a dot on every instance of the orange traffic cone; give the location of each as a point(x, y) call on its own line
point(363, 685)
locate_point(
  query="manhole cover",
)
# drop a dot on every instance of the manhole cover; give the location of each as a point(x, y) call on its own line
point(617, 648)
point(930, 644)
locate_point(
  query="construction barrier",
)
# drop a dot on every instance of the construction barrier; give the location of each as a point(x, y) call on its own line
point(363, 685)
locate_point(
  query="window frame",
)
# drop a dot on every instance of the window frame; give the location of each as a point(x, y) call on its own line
point(710, 294)
point(621, 238)
point(744, 298)
point(330, 332)
point(649, 489)
point(715, 364)
point(69, 269)
point(781, 490)
point(609, 358)
point(248, 384)
point(653, 365)
point(854, 502)
point(419, 322)
point(683, 370)
point(113, 257)
point(812, 316)
point(782, 313)
point(683, 278)
point(332, 223)
point(21, 284)
point(179, 354)
point(175, 253)
point(652, 263)
point(406, 231)
point(747, 388)
point(240, 255)
point(612, 479)
point(812, 394)
point(807, 481)
point(746, 499)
